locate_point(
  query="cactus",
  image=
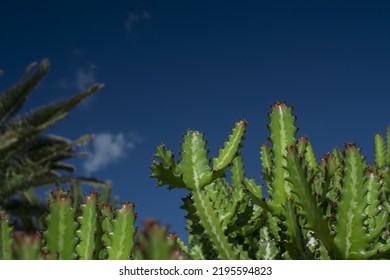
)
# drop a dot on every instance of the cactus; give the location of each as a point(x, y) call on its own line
point(85, 231)
point(153, 243)
point(5, 238)
point(338, 209)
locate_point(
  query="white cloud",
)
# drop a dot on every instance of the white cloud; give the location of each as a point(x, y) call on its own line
point(85, 77)
point(134, 17)
point(108, 148)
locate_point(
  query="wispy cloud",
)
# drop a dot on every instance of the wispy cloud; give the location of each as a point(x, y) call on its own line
point(133, 17)
point(108, 148)
point(84, 77)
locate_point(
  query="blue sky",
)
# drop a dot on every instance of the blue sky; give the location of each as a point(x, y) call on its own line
point(172, 65)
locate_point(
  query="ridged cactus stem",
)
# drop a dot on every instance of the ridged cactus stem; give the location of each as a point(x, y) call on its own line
point(231, 147)
point(88, 227)
point(388, 145)
point(305, 198)
point(212, 226)
point(5, 239)
point(61, 227)
point(282, 136)
point(380, 151)
point(351, 235)
point(123, 232)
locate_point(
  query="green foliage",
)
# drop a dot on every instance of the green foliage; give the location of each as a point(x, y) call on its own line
point(88, 232)
point(28, 158)
point(338, 209)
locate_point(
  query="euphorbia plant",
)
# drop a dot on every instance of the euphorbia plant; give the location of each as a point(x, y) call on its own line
point(335, 209)
point(91, 230)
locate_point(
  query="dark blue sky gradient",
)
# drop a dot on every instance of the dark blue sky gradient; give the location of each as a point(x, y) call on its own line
point(203, 65)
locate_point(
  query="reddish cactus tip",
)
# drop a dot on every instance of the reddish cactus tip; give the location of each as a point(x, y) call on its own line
point(280, 105)
point(127, 205)
point(150, 224)
point(172, 235)
point(242, 122)
point(93, 195)
point(106, 207)
point(303, 138)
point(350, 146)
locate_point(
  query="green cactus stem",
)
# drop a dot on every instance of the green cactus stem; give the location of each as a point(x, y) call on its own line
point(351, 235)
point(60, 235)
point(282, 131)
point(88, 227)
point(5, 239)
point(27, 247)
point(123, 232)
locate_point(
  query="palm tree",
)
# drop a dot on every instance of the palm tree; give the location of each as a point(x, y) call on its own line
point(30, 159)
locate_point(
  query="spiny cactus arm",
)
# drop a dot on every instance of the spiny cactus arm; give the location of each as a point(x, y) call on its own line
point(388, 145)
point(88, 227)
point(219, 193)
point(302, 144)
point(61, 227)
point(196, 252)
point(165, 169)
point(105, 228)
point(268, 249)
point(13, 99)
point(154, 244)
point(197, 239)
point(182, 246)
point(238, 174)
point(381, 249)
point(292, 232)
point(304, 197)
point(235, 201)
point(266, 164)
point(310, 157)
point(380, 151)
point(376, 216)
point(27, 247)
point(5, 239)
point(282, 131)
point(196, 175)
point(230, 147)
point(265, 158)
point(351, 235)
point(254, 191)
point(213, 226)
point(194, 165)
point(338, 156)
point(122, 236)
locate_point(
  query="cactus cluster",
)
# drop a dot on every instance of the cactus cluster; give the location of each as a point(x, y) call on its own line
point(91, 230)
point(335, 209)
